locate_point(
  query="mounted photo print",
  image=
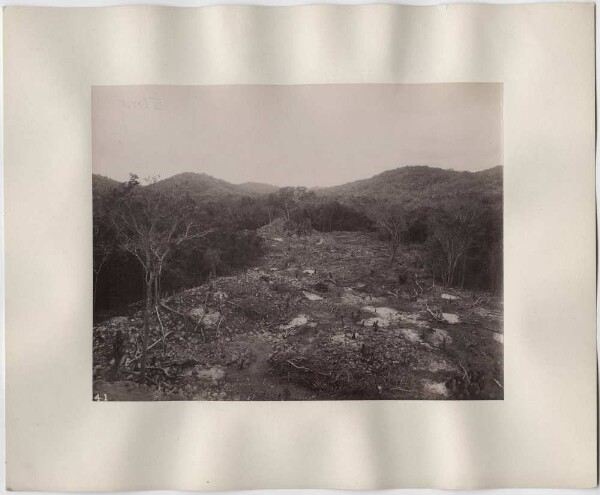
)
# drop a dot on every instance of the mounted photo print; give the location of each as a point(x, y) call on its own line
point(318, 242)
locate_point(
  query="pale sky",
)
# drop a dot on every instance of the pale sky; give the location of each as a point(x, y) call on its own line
point(312, 135)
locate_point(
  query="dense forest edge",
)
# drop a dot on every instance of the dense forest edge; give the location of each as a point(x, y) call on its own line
point(456, 217)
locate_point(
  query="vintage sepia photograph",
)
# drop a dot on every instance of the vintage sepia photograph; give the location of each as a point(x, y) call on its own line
point(313, 242)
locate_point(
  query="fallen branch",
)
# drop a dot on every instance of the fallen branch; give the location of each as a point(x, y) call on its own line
point(407, 390)
point(150, 347)
point(479, 299)
point(162, 338)
point(498, 383)
point(162, 329)
point(436, 317)
point(330, 277)
point(298, 367)
point(187, 320)
point(201, 331)
point(464, 371)
point(174, 311)
point(159, 369)
point(218, 326)
point(304, 368)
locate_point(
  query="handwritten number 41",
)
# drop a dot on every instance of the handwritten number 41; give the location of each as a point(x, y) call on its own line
point(100, 397)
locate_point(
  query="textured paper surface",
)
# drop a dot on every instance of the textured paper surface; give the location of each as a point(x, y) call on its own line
point(542, 435)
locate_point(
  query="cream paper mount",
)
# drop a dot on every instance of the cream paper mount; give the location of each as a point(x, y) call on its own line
point(543, 434)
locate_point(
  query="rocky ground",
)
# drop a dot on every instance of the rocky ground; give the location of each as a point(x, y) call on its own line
point(325, 316)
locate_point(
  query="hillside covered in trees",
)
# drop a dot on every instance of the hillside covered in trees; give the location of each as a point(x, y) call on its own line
point(252, 291)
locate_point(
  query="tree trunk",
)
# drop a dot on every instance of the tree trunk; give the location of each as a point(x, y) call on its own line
point(451, 273)
point(157, 288)
point(394, 252)
point(448, 274)
point(96, 277)
point(146, 335)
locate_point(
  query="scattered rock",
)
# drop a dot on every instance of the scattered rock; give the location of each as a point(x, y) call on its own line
point(436, 364)
point(451, 318)
point(209, 319)
point(299, 321)
point(498, 337)
point(436, 388)
point(449, 297)
point(220, 296)
point(308, 272)
point(411, 335)
point(312, 297)
point(213, 374)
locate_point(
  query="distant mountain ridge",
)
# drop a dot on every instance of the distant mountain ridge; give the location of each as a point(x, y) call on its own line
point(102, 185)
point(422, 185)
point(410, 185)
point(199, 186)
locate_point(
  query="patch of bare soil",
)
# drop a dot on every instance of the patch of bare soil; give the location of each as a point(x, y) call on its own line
point(325, 316)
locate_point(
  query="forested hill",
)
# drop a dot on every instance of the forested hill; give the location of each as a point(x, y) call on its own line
point(199, 186)
point(103, 185)
point(421, 185)
point(412, 186)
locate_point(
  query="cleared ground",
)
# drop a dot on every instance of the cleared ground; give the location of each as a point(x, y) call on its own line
point(325, 316)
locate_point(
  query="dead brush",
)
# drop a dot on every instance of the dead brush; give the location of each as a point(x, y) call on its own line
point(282, 288)
point(337, 372)
point(247, 309)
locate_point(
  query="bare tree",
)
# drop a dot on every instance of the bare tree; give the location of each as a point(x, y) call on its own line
point(287, 199)
point(456, 233)
point(149, 225)
point(392, 220)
